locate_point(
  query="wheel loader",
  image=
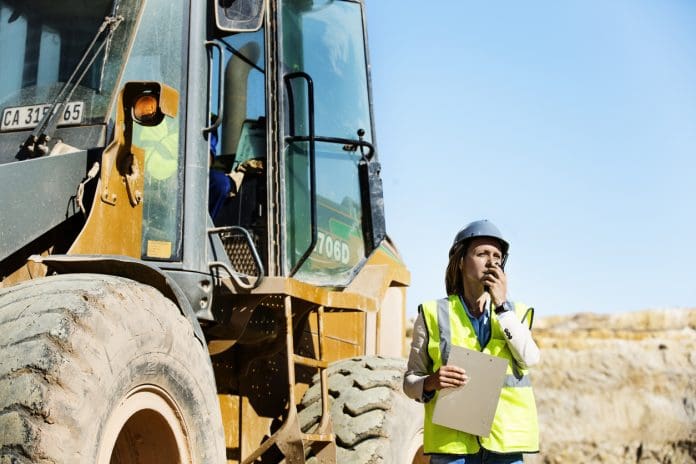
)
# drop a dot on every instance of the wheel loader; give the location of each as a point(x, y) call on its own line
point(194, 265)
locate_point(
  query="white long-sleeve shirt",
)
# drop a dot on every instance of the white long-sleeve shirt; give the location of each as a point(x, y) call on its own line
point(522, 346)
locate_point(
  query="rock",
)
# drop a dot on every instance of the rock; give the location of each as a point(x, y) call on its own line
point(617, 388)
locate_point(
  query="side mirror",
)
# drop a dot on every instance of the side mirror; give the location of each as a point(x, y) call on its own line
point(239, 15)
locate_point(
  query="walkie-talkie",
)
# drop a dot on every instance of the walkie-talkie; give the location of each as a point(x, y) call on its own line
point(502, 268)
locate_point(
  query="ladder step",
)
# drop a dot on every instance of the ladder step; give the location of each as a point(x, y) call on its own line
point(318, 437)
point(310, 362)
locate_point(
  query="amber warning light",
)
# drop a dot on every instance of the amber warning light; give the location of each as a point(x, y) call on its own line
point(145, 110)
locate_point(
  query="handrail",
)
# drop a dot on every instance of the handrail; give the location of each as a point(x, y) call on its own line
point(312, 158)
point(221, 88)
point(320, 138)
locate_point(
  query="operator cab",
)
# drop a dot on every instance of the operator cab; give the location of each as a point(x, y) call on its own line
point(288, 115)
point(315, 175)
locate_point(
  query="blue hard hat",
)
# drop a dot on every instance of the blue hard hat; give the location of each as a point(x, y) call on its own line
point(482, 228)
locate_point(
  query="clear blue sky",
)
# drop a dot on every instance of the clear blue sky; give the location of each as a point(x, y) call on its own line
point(571, 125)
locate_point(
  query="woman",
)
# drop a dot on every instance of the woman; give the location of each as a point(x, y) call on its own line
point(476, 315)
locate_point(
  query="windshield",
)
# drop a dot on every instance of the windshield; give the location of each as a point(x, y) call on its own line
point(42, 42)
point(325, 39)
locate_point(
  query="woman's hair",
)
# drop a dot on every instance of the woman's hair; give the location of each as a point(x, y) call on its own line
point(454, 283)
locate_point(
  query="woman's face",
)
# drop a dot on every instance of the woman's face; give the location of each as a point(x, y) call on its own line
point(483, 253)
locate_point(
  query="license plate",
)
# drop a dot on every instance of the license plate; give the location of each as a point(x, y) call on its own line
point(28, 117)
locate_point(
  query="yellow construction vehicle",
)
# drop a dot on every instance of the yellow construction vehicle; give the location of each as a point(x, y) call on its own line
point(194, 266)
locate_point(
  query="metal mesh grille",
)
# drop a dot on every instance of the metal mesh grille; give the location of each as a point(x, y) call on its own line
point(239, 251)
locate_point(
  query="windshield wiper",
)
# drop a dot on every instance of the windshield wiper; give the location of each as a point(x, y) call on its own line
point(37, 143)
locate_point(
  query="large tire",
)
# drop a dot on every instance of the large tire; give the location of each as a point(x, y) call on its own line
point(373, 420)
point(99, 369)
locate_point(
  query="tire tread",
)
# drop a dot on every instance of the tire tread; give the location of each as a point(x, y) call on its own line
point(366, 404)
point(59, 341)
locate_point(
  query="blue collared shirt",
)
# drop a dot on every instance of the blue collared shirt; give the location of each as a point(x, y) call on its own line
point(481, 324)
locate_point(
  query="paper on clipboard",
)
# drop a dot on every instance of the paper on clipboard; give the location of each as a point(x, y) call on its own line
point(471, 408)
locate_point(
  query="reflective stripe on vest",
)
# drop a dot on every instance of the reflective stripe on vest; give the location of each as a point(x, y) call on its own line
point(515, 427)
point(443, 322)
point(514, 382)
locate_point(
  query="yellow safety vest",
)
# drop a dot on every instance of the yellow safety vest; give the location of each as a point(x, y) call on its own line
point(515, 428)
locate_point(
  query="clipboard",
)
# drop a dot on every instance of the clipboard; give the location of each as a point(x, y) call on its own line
point(471, 407)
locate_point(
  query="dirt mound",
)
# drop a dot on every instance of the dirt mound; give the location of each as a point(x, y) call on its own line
point(617, 388)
